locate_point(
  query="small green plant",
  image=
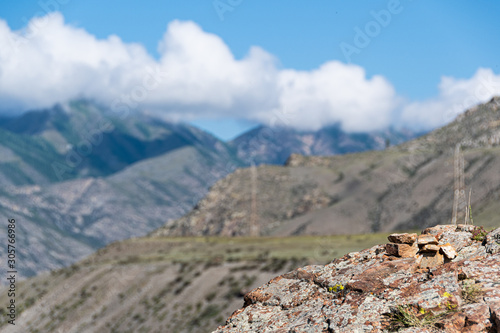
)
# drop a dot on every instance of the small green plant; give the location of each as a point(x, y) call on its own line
point(335, 288)
point(403, 316)
point(468, 211)
point(448, 305)
point(471, 220)
point(340, 177)
point(338, 288)
point(471, 292)
point(479, 234)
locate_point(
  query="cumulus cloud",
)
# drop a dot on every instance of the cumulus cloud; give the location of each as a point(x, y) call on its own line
point(197, 76)
point(53, 62)
point(336, 93)
point(203, 79)
point(455, 96)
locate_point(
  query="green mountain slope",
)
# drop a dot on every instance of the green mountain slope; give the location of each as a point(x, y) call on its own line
point(82, 139)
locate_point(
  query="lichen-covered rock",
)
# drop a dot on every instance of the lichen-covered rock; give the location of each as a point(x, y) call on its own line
point(431, 259)
point(458, 239)
point(402, 238)
point(465, 227)
point(401, 250)
point(429, 248)
point(361, 292)
point(426, 239)
point(493, 241)
point(448, 251)
point(439, 230)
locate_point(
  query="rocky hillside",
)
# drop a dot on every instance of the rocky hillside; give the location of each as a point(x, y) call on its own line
point(79, 176)
point(163, 284)
point(404, 187)
point(63, 222)
point(444, 280)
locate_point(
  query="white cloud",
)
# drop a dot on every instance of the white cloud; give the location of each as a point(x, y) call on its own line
point(197, 76)
point(54, 62)
point(336, 93)
point(455, 96)
point(202, 77)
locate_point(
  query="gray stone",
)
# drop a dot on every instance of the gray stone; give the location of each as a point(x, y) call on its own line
point(448, 251)
point(493, 241)
point(458, 240)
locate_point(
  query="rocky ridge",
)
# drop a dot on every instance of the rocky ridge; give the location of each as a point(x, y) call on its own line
point(446, 280)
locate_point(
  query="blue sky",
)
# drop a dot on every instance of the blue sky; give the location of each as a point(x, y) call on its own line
point(411, 50)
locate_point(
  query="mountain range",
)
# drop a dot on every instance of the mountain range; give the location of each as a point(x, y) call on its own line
point(267, 145)
point(79, 176)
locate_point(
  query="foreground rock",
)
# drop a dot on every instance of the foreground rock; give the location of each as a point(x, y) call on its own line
point(451, 286)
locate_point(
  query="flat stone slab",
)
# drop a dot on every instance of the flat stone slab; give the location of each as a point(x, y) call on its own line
point(402, 238)
point(429, 248)
point(401, 250)
point(427, 239)
point(431, 260)
point(439, 230)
